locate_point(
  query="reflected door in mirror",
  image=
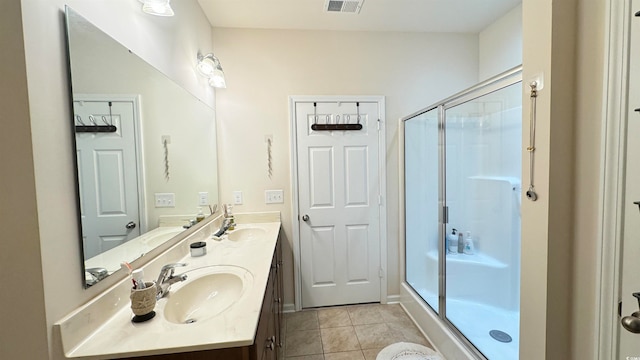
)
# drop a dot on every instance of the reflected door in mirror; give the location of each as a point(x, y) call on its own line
point(107, 175)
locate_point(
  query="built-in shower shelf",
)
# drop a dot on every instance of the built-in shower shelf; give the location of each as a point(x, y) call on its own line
point(514, 181)
point(477, 259)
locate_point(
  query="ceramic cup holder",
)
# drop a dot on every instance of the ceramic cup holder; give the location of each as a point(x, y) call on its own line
point(143, 301)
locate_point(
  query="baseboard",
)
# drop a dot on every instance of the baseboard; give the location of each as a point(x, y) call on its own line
point(393, 299)
point(288, 308)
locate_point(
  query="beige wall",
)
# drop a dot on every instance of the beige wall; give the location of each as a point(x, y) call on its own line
point(264, 67)
point(500, 45)
point(590, 72)
point(41, 272)
point(23, 334)
point(547, 233)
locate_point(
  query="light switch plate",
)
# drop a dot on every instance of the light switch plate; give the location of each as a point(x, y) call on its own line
point(203, 198)
point(274, 196)
point(237, 197)
point(167, 200)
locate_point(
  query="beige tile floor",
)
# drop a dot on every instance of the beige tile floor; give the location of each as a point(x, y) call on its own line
point(356, 332)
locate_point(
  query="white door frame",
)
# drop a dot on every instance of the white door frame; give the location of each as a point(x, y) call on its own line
point(613, 140)
point(135, 100)
point(382, 170)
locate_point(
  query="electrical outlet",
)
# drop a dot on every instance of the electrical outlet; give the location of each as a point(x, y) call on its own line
point(203, 198)
point(273, 197)
point(237, 197)
point(167, 200)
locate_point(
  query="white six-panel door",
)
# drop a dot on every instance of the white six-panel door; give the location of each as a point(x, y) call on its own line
point(107, 176)
point(338, 204)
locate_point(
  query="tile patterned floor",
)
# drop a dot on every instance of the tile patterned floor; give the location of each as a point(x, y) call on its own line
point(356, 332)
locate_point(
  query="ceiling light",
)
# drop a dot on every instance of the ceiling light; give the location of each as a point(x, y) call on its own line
point(209, 66)
point(157, 7)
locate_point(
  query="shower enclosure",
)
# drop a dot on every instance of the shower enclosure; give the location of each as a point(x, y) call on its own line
point(462, 193)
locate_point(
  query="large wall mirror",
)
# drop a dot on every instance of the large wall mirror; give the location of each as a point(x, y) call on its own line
point(146, 151)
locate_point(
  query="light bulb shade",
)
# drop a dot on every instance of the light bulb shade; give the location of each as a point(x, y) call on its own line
point(209, 67)
point(206, 65)
point(217, 79)
point(157, 7)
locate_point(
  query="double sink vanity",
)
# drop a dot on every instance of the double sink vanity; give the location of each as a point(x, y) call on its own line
point(229, 307)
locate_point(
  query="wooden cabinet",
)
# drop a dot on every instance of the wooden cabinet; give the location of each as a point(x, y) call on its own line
point(269, 342)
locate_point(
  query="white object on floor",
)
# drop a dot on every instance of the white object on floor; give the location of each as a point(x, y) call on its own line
point(408, 351)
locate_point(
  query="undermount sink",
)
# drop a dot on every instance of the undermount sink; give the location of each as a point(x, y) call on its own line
point(244, 234)
point(207, 292)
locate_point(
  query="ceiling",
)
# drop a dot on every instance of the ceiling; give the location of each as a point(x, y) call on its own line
point(467, 16)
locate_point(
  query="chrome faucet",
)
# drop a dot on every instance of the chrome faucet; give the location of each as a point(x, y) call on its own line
point(190, 224)
point(97, 274)
point(166, 279)
point(226, 223)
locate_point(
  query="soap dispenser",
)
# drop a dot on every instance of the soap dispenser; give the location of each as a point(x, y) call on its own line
point(200, 215)
point(452, 241)
point(469, 247)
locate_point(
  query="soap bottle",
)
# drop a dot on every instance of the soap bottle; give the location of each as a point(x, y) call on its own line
point(232, 220)
point(452, 241)
point(200, 215)
point(460, 243)
point(469, 248)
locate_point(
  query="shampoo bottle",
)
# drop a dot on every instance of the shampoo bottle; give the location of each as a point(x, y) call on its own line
point(469, 248)
point(460, 243)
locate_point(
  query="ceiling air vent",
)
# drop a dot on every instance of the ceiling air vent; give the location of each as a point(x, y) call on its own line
point(343, 6)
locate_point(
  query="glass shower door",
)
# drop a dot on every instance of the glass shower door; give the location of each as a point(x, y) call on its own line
point(422, 230)
point(483, 138)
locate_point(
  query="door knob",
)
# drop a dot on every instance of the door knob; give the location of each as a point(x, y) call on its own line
point(305, 217)
point(632, 323)
point(130, 225)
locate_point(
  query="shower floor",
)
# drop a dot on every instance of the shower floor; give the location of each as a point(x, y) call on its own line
point(475, 321)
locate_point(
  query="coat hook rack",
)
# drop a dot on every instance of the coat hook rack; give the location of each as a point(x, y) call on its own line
point(330, 127)
point(94, 127)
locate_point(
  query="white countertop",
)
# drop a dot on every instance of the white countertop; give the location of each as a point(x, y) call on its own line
point(102, 329)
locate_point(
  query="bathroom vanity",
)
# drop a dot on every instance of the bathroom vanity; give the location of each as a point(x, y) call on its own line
point(268, 340)
point(230, 306)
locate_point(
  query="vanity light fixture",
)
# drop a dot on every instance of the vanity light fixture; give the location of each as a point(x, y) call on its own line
point(209, 67)
point(157, 7)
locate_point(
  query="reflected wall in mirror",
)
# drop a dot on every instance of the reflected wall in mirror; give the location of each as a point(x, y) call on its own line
point(145, 150)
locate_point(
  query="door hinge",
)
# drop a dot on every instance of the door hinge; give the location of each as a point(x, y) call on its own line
point(619, 309)
point(379, 124)
point(379, 199)
point(445, 214)
point(380, 273)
